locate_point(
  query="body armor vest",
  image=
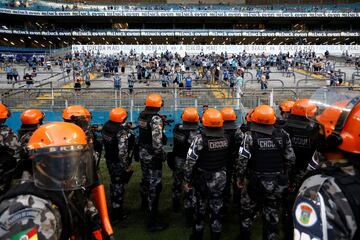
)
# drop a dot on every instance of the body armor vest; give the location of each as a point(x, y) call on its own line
point(7, 161)
point(145, 135)
point(215, 153)
point(181, 143)
point(109, 132)
point(231, 135)
point(266, 156)
point(303, 134)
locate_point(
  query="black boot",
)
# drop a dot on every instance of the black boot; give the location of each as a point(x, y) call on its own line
point(196, 235)
point(244, 234)
point(189, 217)
point(176, 205)
point(144, 202)
point(117, 215)
point(154, 224)
point(215, 235)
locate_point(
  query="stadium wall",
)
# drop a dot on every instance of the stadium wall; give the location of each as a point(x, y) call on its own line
point(232, 49)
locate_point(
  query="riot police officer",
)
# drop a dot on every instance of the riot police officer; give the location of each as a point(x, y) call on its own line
point(151, 156)
point(205, 170)
point(327, 205)
point(285, 108)
point(55, 203)
point(81, 116)
point(245, 126)
point(116, 142)
point(31, 119)
point(265, 157)
point(230, 129)
point(184, 134)
point(303, 133)
point(9, 150)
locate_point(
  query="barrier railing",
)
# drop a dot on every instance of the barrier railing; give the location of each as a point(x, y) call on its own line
point(355, 76)
point(286, 73)
point(319, 82)
point(106, 98)
point(269, 80)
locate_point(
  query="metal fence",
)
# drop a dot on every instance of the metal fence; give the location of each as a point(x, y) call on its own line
point(174, 98)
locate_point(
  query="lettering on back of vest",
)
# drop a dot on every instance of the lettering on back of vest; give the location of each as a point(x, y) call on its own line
point(218, 144)
point(267, 144)
point(301, 141)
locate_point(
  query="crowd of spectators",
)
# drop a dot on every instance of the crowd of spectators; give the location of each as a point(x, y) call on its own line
point(169, 69)
point(93, 6)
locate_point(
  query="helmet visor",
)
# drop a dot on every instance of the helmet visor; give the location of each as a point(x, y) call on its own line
point(334, 106)
point(63, 168)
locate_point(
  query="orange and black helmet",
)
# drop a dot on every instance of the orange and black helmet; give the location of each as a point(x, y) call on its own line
point(62, 159)
point(263, 114)
point(228, 114)
point(286, 106)
point(304, 107)
point(212, 118)
point(4, 111)
point(154, 100)
point(341, 124)
point(32, 116)
point(76, 111)
point(118, 115)
point(190, 115)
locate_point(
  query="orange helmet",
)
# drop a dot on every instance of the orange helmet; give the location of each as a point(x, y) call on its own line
point(212, 118)
point(61, 157)
point(76, 111)
point(345, 130)
point(154, 100)
point(118, 115)
point(248, 115)
point(32, 116)
point(263, 114)
point(228, 114)
point(304, 107)
point(286, 106)
point(4, 111)
point(57, 134)
point(350, 132)
point(330, 116)
point(190, 115)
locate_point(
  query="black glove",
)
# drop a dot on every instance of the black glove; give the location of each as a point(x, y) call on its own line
point(161, 155)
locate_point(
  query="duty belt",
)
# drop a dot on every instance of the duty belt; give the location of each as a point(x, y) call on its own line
point(203, 170)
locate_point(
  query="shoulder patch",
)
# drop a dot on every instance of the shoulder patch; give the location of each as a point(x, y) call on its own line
point(305, 214)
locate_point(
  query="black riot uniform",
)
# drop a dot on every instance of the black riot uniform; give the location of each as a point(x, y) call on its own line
point(25, 133)
point(184, 134)
point(303, 135)
point(151, 154)
point(265, 156)
point(117, 142)
point(205, 168)
point(230, 130)
point(9, 153)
